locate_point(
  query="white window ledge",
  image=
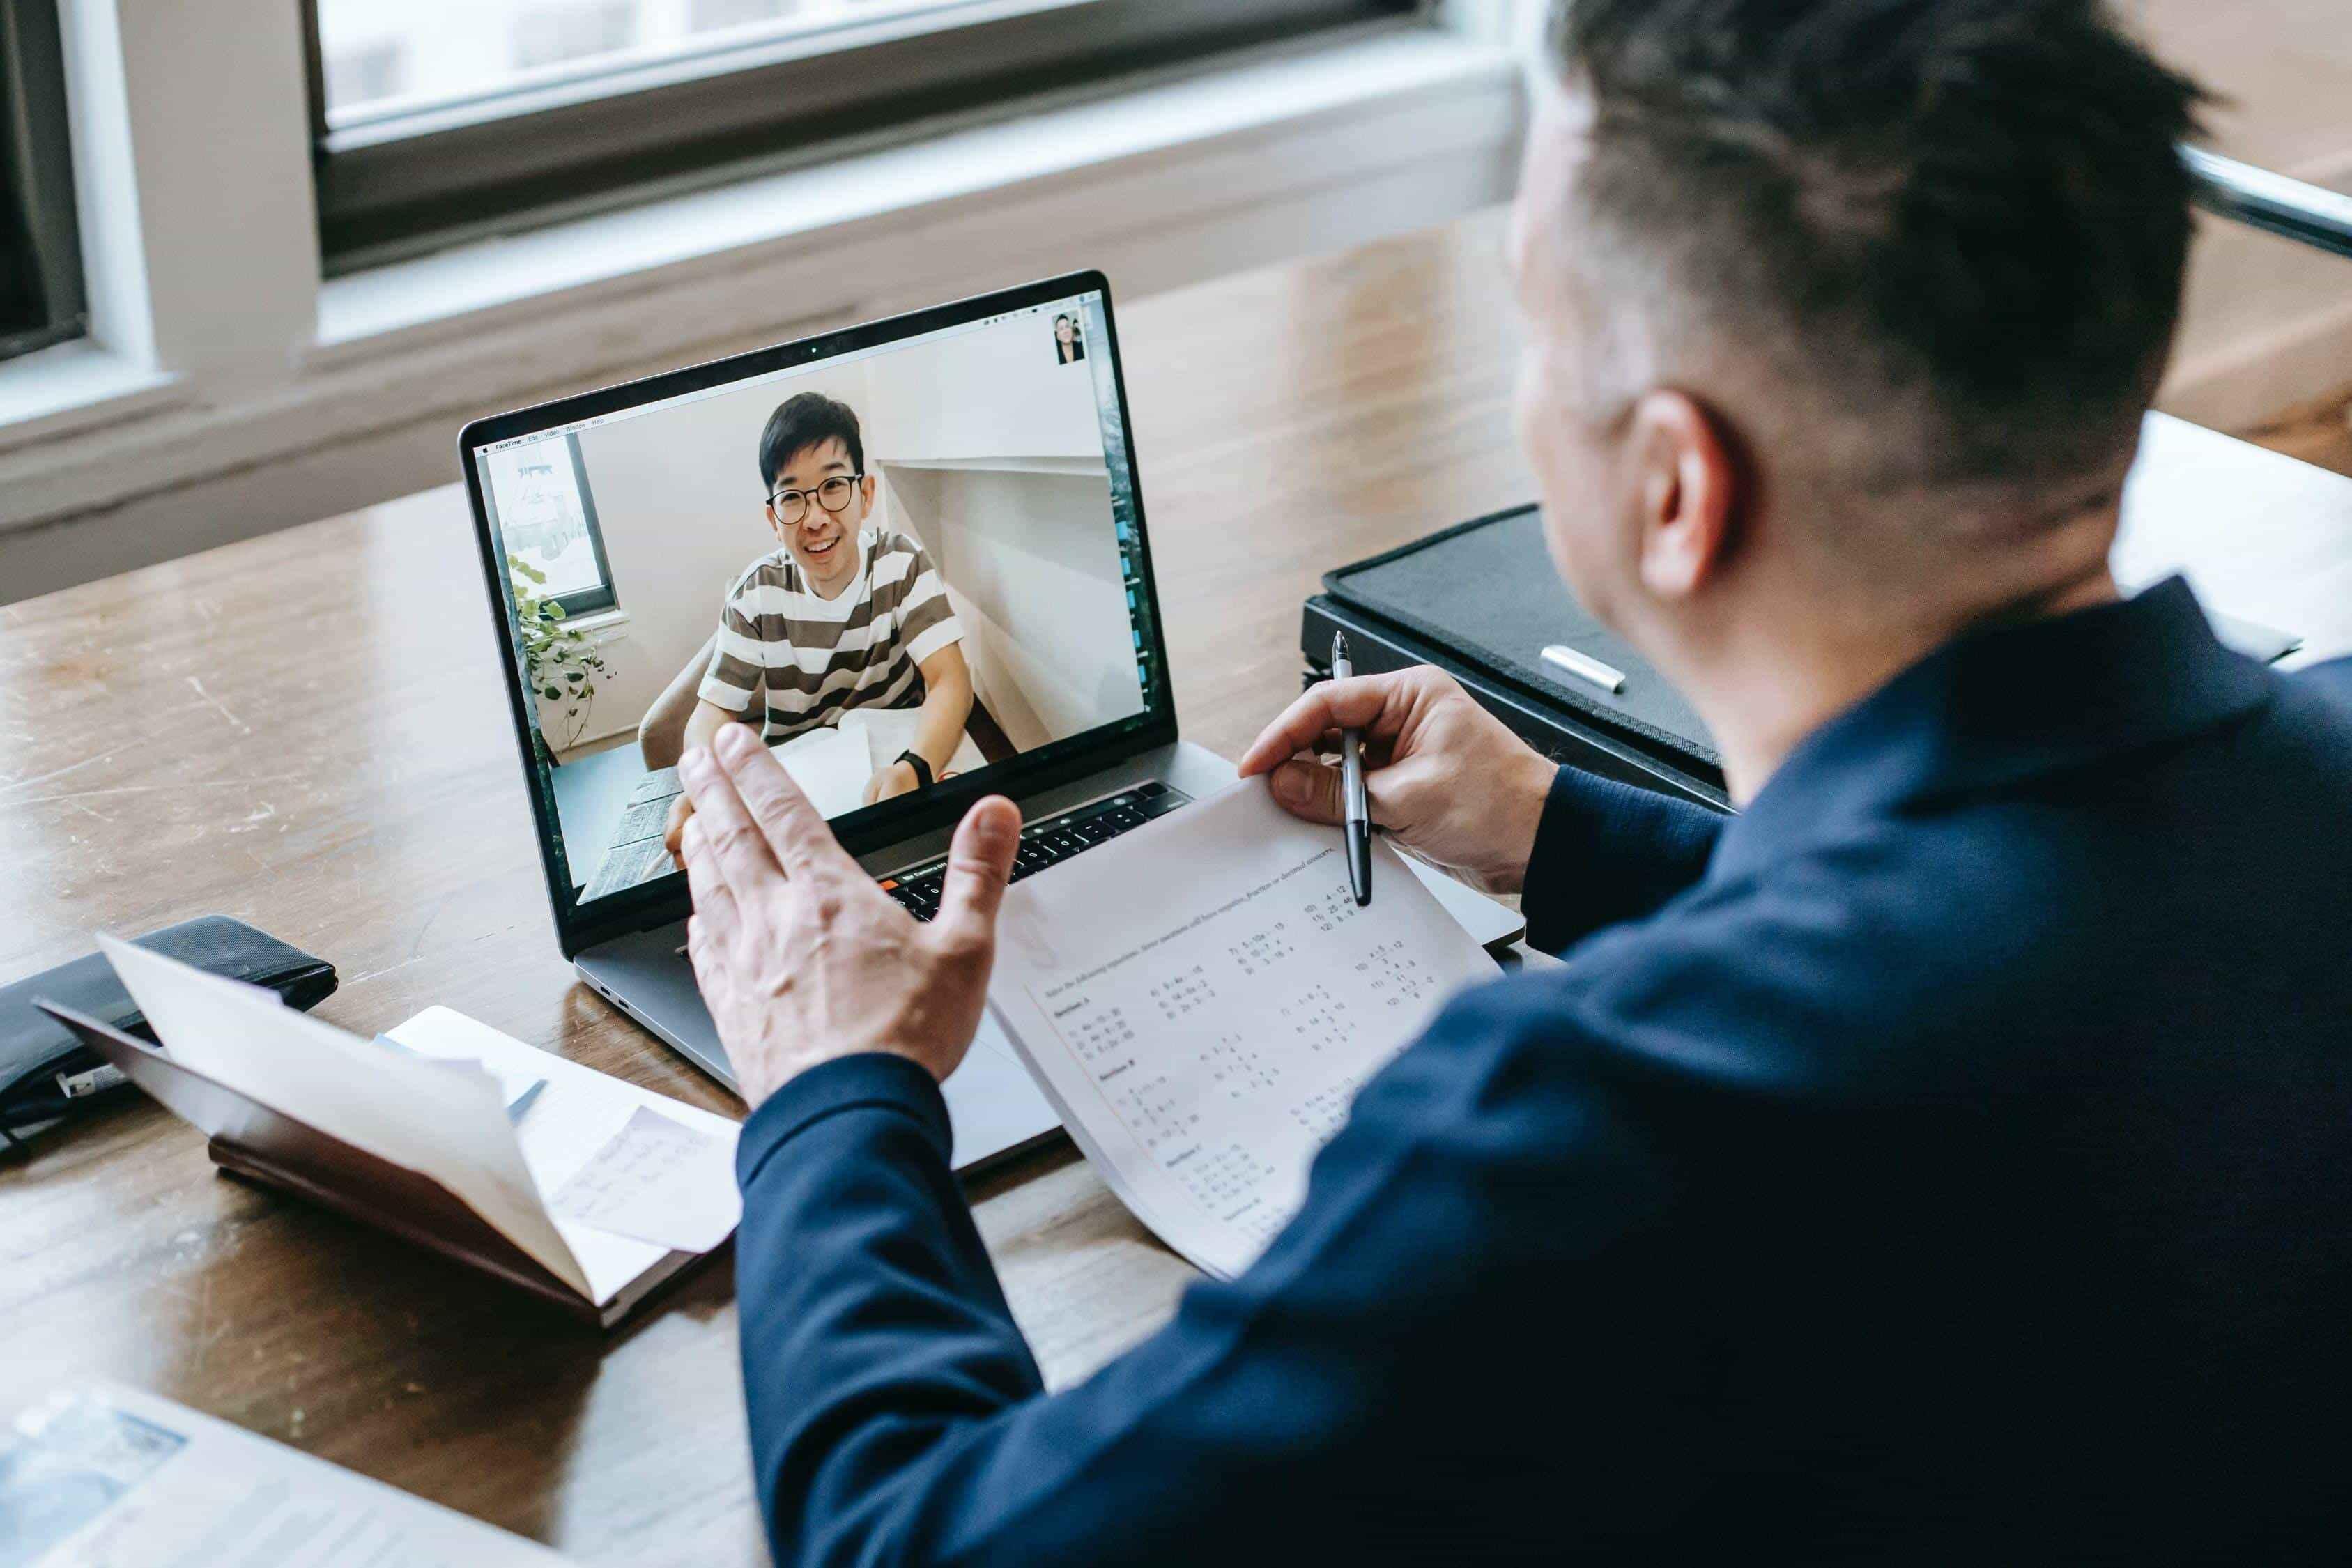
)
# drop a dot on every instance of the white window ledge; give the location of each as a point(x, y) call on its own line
point(808, 206)
point(105, 465)
point(604, 625)
point(74, 386)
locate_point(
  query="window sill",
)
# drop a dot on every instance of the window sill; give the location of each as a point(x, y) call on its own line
point(75, 387)
point(105, 465)
point(810, 207)
point(604, 625)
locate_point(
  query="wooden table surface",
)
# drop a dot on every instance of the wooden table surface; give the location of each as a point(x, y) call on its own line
point(309, 731)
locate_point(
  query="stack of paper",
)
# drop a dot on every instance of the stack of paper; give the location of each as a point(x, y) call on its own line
point(1204, 1044)
point(831, 765)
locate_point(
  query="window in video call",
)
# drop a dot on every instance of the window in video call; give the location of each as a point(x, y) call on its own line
point(898, 566)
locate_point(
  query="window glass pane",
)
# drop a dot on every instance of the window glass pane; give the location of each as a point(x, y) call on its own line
point(390, 55)
point(40, 247)
point(546, 520)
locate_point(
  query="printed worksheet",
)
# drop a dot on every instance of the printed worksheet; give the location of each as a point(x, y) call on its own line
point(107, 1477)
point(1202, 999)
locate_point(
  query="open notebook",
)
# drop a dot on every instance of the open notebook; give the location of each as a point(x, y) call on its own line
point(589, 1192)
point(1201, 998)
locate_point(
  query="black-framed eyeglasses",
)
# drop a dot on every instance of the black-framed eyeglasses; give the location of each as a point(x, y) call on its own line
point(791, 506)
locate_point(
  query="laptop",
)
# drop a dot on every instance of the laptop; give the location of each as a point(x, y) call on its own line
point(911, 554)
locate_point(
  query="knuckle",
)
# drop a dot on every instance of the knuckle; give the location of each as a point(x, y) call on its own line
point(964, 944)
point(977, 868)
point(764, 797)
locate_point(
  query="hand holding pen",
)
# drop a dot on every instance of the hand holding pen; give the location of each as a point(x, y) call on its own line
point(1448, 781)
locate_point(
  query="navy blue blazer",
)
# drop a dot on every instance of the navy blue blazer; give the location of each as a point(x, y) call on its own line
point(1948, 1158)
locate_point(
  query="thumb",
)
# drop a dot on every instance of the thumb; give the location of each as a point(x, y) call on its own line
point(1309, 790)
point(980, 864)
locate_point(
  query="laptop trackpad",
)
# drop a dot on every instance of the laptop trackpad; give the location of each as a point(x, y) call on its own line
point(992, 1103)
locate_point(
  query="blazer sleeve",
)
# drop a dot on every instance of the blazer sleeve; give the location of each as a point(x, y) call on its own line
point(896, 1416)
point(2332, 679)
point(1607, 852)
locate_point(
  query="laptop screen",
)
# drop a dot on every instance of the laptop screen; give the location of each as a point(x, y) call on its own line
point(902, 565)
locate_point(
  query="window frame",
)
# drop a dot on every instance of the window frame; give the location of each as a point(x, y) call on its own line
point(404, 182)
point(37, 217)
point(604, 598)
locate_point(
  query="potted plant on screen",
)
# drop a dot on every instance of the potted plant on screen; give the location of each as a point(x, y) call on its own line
point(561, 662)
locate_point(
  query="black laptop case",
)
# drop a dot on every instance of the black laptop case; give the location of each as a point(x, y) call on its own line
point(1482, 600)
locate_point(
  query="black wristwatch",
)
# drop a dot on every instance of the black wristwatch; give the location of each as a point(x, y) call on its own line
point(922, 769)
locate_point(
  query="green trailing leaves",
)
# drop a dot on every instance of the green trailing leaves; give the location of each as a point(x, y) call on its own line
point(561, 663)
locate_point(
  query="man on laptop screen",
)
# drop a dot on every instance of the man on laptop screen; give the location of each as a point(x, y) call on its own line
point(838, 616)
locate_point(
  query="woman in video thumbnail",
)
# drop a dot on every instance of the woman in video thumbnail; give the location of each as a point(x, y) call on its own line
point(1067, 344)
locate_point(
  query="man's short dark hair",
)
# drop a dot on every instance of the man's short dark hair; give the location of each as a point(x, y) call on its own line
point(804, 420)
point(1972, 209)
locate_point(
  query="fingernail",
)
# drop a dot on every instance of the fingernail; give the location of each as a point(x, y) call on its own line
point(1291, 785)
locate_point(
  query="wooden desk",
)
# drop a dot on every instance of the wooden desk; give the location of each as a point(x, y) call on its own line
point(309, 731)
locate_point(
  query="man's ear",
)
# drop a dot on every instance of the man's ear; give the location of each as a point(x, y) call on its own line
point(775, 524)
point(1687, 493)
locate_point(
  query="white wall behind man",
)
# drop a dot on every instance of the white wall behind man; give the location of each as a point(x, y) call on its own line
point(997, 392)
point(992, 448)
point(1034, 566)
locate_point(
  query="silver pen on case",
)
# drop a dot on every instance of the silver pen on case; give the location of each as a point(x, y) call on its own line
point(1351, 783)
point(1584, 667)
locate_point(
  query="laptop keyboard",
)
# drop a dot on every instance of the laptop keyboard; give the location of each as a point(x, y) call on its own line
point(1046, 843)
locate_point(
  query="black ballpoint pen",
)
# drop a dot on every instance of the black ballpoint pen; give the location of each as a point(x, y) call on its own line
point(1352, 784)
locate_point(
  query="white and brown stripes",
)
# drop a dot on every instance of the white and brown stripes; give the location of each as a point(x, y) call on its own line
point(808, 659)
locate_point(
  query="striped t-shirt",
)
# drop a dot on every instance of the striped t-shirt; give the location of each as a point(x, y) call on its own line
point(816, 658)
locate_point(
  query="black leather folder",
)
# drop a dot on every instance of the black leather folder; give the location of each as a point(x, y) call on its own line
point(47, 1074)
point(1482, 600)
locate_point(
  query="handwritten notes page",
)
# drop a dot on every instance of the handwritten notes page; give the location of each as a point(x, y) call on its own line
point(659, 1182)
point(581, 1122)
point(1202, 999)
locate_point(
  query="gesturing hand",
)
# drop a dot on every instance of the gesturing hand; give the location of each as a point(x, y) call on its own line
point(800, 955)
point(1442, 774)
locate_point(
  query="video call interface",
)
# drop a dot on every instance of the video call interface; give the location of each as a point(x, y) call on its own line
point(898, 566)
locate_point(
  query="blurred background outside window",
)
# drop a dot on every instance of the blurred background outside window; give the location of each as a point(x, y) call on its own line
point(438, 121)
point(40, 249)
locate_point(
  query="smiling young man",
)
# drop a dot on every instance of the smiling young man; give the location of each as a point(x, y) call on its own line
point(1947, 1160)
point(838, 616)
